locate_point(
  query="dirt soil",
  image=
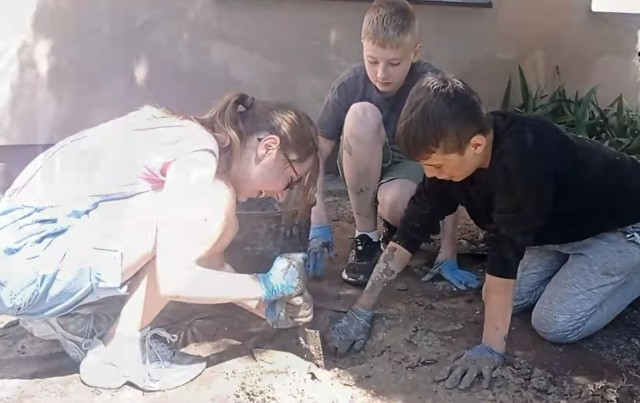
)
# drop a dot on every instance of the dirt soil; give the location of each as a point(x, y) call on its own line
point(417, 327)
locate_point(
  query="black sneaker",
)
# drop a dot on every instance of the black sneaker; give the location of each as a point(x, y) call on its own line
point(388, 231)
point(363, 256)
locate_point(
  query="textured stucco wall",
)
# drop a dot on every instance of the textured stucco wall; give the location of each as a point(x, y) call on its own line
point(69, 64)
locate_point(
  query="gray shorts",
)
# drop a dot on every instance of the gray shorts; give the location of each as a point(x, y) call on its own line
point(395, 165)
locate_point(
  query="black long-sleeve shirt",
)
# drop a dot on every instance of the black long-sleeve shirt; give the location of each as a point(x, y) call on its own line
point(542, 187)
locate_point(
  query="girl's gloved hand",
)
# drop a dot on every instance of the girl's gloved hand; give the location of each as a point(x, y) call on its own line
point(286, 278)
point(297, 311)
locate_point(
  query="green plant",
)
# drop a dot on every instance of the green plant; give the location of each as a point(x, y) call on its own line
point(616, 125)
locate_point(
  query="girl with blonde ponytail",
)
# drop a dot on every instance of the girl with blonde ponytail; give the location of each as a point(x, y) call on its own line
point(143, 206)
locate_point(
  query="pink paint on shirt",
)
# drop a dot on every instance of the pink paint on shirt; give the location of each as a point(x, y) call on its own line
point(156, 176)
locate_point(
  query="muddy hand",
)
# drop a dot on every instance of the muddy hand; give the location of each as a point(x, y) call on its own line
point(320, 244)
point(297, 311)
point(465, 368)
point(350, 332)
point(449, 269)
point(286, 278)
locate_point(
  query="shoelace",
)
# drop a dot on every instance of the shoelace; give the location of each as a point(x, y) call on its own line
point(162, 351)
point(85, 340)
point(359, 243)
point(360, 248)
point(88, 331)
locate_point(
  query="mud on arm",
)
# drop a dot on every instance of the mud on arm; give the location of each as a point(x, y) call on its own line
point(392, 261)
point(431, 203)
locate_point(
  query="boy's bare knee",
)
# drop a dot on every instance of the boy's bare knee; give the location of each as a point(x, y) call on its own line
point(389, 209)
point(363, 123)
point(393, 198)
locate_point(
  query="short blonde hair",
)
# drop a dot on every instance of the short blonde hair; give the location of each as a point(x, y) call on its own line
point(390, 23)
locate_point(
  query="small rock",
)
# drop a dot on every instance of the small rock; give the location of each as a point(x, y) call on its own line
point(524, 373)
point(628, 394)
point(441, 286)
point(402, 286)
point(540, 380)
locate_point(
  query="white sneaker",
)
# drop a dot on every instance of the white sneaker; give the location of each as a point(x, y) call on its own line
point(155, 365)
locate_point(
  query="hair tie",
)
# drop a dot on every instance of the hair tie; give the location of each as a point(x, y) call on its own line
point(245, 102)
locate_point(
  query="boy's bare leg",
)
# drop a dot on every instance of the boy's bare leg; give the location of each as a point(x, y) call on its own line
point(393, 197)
point(363, 139)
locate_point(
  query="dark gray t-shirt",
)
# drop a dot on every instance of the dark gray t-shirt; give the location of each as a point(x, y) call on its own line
point(354, 86)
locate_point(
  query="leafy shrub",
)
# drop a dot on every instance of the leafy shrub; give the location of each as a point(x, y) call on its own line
point(616, 125)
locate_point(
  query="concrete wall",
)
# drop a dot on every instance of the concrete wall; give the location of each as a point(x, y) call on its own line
point(69, 64)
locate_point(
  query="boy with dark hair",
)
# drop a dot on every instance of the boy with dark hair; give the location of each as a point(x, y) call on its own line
point(561, 213)
point(363, 108)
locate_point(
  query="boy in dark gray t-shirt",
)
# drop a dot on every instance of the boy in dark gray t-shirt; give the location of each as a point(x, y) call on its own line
point(362, 110)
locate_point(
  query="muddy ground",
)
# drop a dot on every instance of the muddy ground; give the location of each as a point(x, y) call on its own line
point(418, 326)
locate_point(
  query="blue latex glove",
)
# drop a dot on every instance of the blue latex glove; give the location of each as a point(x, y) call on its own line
point(449, 269)
point(351, 332)
point(320, 244)
point(465, 367)
point(286, 278)
point(297, 311)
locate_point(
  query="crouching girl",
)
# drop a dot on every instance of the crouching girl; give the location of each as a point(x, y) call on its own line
point(134, 207)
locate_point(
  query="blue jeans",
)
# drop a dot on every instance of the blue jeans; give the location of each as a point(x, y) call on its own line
point(39, 276)
point(576, 289)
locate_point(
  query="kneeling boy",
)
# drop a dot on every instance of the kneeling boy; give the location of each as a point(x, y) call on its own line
point(561, 213)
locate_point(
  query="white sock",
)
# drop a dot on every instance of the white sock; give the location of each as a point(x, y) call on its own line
point(373, 235)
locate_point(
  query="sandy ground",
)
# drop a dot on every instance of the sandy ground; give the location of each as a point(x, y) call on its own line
point(418, 326)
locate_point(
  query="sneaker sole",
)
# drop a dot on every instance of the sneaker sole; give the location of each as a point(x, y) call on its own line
point(357, 282)
point(115, 379)
point(105, 380)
